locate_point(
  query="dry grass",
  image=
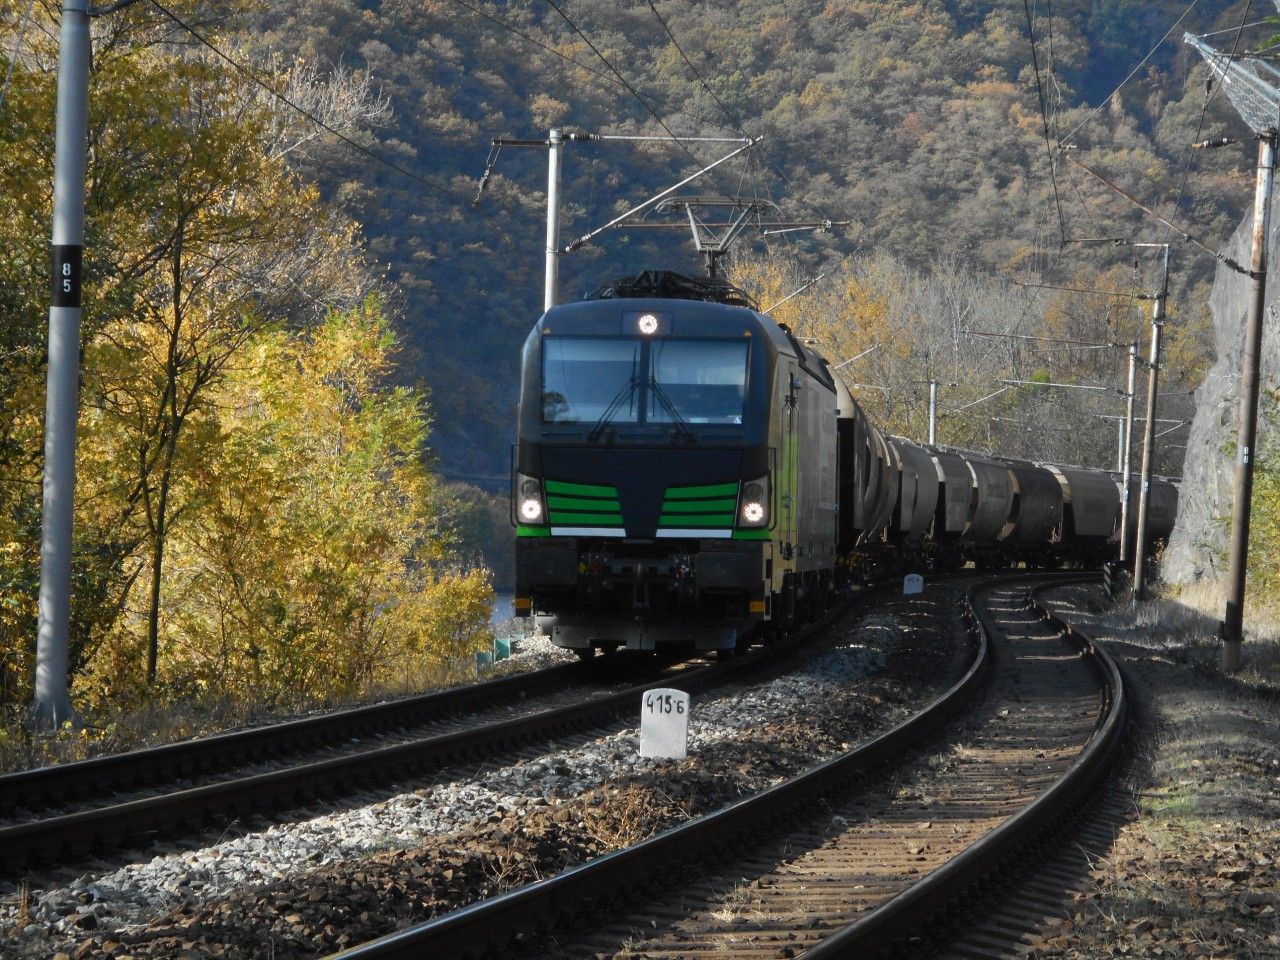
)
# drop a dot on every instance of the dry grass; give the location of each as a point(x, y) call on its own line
point(24, 906)
point(1182, 622)
point(629, 818)
point(739, 904)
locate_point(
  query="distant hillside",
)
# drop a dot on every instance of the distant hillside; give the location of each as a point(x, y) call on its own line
point(919, 122)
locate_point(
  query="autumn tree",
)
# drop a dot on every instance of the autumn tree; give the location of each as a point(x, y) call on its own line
point(229, 233)
point(318, 564)
point(975, 335)
point(208, 250)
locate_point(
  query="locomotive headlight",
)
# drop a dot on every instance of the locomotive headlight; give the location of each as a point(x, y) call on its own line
point(753, 503)
point(647, 324)
point(529, 499)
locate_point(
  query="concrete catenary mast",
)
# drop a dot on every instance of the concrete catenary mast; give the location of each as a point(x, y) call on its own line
point(52, 706)
point(1149, 430)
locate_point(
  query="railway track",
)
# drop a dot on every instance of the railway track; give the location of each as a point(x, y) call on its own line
point(56, 814)
point(838, 862)
point(62, 814)
point(1033, 898)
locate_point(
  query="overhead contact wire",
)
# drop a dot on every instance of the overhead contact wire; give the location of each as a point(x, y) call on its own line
point(1044, 118)
point(547, 48)
point(1132, 73)
point(247, 72)
point(735, 122)
point(1210, 92)
point(634, 92)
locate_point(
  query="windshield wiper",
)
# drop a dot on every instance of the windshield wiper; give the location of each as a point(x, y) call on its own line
point(626, 393)
point(671, 410)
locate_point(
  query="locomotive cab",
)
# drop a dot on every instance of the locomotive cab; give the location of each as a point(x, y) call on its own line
point(655, 495)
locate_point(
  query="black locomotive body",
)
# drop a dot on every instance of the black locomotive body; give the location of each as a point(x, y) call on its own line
point(676, 473)
point(688, 472)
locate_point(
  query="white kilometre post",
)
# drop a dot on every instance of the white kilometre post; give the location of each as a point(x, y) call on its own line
point(52, 706)
point(551, 288)
point(664, 723)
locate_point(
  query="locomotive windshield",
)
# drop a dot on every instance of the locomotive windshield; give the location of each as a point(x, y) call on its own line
point(628, 381)
point(703, 380)
point(583, 376)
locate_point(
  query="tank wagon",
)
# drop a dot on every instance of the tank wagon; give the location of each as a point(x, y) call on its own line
point(689, 473)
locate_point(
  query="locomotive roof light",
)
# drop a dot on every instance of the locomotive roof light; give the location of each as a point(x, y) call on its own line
point(645, 323)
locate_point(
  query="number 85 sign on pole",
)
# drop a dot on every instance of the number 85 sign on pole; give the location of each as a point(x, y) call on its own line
point(664, 723)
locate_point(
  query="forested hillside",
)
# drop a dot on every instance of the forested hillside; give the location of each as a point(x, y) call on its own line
point(920, 123)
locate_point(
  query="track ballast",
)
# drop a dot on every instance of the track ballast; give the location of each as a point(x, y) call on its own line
point(839, 871)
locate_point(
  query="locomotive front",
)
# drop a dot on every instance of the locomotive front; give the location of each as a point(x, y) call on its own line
point(644, 495)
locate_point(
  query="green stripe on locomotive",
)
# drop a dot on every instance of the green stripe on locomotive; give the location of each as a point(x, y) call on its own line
point(708, 506)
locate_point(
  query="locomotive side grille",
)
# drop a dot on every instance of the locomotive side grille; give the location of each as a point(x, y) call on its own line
point(705, 510)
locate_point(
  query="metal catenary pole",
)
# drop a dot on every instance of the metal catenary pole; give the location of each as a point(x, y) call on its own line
point(1233, 622)
point(52, 706)
point(551, 285)
point(933, 412)
point(1148, 436)
point(554, 145)
point(1126, 451)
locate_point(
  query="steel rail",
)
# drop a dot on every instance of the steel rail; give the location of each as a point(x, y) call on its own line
point(137, 768)
point(582, 888)
point(63, 837)
point(906, 916)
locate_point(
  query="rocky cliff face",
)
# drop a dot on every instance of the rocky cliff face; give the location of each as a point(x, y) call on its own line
point(1198, 547)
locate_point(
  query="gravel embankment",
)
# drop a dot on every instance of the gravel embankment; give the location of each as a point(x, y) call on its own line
point(1193, 872)
point(314, 886)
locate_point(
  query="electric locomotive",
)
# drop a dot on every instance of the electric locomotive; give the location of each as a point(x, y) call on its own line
point(675, 472)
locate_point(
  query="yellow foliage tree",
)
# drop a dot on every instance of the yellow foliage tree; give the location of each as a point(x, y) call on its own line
point(217, 529)
point(315, 566)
